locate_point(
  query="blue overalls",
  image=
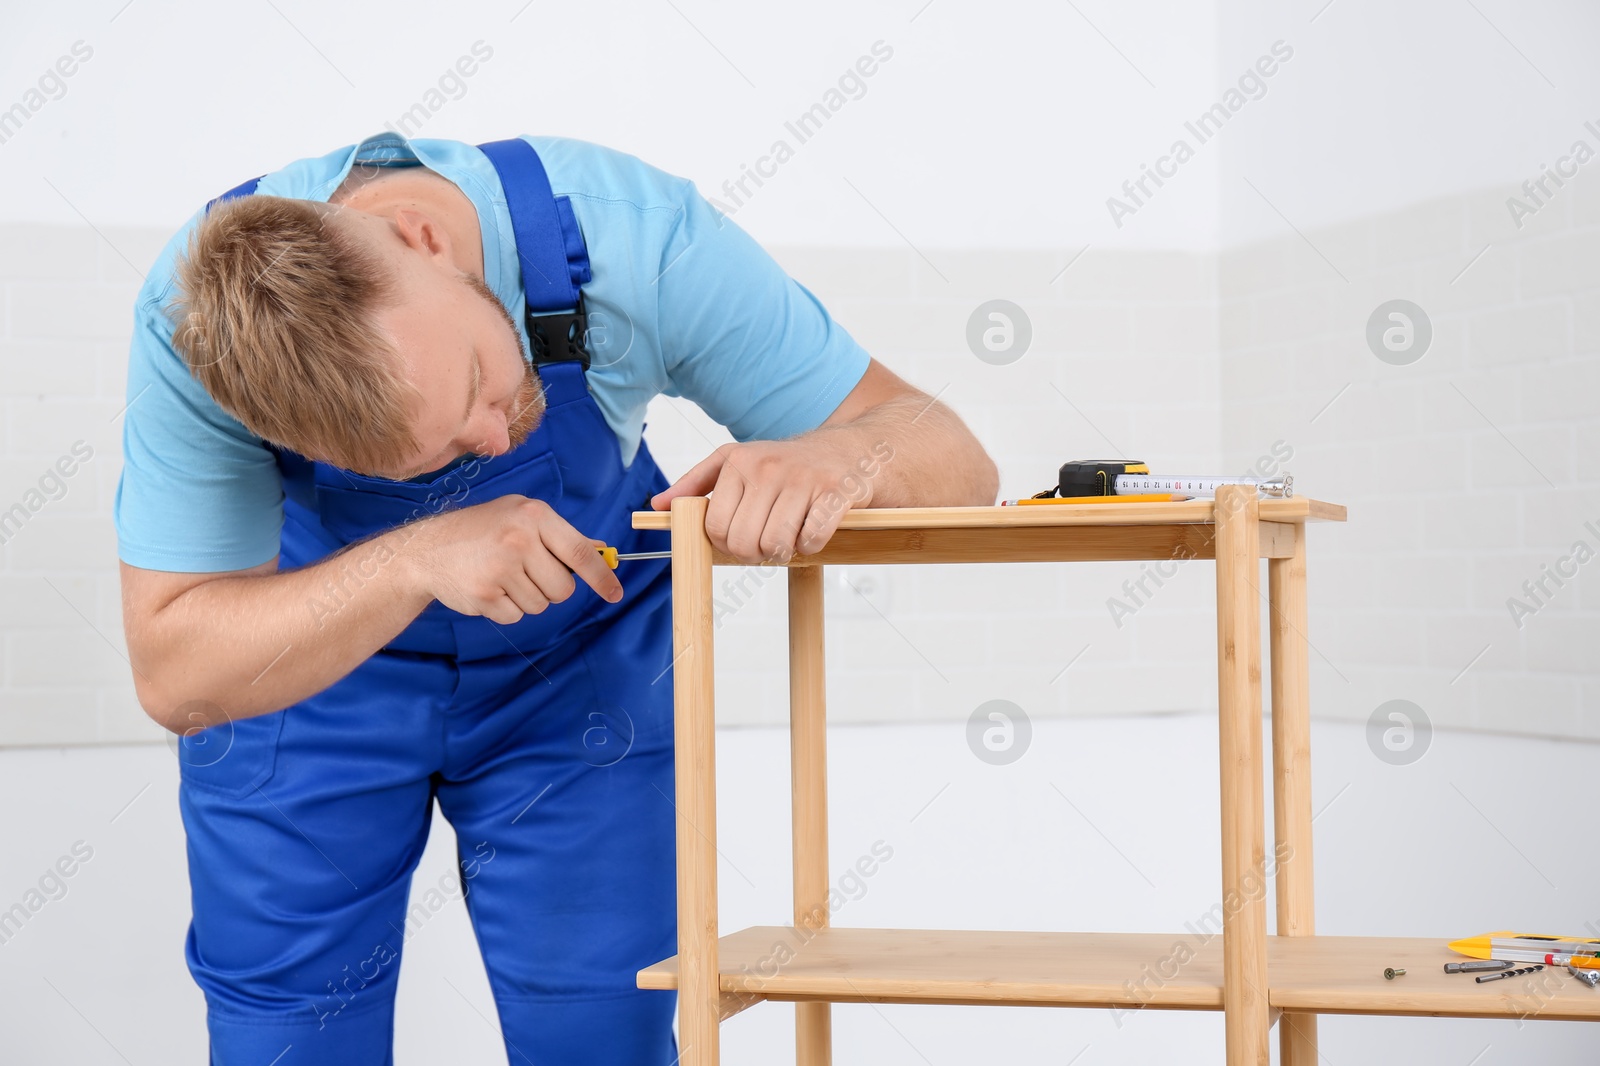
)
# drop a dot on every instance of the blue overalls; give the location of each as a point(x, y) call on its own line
point(547, 744)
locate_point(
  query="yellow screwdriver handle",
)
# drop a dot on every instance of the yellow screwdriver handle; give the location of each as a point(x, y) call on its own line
point(609, 554)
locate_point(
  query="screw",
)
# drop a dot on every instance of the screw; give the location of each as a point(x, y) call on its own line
point(1391, 972)
point(1588, 977)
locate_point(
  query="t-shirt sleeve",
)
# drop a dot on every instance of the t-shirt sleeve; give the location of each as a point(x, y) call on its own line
point(199, 493)
point(746, 342)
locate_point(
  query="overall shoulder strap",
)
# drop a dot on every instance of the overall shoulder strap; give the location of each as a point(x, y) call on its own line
point(242, 189)
point(550, 252)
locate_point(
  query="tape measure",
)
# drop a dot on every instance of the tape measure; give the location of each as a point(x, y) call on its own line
point(1118, 477)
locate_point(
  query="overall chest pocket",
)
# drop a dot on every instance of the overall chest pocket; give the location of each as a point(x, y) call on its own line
point(351, 506)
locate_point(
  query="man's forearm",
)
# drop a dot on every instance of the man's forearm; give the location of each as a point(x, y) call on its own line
point(936, 462)
point(237, 647)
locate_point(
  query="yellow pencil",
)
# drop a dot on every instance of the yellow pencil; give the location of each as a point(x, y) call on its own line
point(1145, 497)
point(1577, 962)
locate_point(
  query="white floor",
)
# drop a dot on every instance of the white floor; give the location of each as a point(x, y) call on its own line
point(1106, 824)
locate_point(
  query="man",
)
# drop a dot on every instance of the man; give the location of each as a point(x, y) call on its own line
point(372, 445)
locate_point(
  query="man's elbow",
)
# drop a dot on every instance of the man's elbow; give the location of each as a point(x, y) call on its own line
point(157, 680)
point(976, 478)
point(160, 709)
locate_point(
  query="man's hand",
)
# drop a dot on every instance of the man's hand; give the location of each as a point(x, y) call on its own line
point(773, 499)
point(503, 559)
point(885, 445)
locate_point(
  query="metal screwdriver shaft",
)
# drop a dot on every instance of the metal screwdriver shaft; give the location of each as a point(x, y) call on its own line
point(610, 555)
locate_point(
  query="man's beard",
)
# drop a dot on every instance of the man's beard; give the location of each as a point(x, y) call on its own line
point(528, 408)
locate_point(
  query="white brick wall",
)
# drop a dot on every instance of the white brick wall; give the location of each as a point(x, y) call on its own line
point(1238, 350)
point(68, 312)
point(1443, 462)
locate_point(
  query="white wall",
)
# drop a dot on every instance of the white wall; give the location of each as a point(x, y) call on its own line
point(995, 125)
point(1385, 105)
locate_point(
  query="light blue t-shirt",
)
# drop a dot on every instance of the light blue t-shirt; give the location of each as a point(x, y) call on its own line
point(695, 308)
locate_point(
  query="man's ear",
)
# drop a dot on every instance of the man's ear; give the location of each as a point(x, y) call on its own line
point(421, 233)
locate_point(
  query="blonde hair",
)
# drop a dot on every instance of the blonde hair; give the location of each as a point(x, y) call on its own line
point(275, 318)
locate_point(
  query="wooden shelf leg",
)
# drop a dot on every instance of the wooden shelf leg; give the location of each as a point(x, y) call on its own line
point(1244, 941)
point(1291, 775)
point(695, 782)
point(808, 754)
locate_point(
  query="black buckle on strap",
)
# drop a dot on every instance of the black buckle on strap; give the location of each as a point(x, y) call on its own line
point(560, 336)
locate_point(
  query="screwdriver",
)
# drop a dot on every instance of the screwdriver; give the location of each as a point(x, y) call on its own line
point(609, 554)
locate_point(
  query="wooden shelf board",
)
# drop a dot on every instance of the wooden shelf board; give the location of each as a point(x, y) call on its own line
point(1122, 970)
point(1028, 544)
point(1294, 509)
point(950, 966)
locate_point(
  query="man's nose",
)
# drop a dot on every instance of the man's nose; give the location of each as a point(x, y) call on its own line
point(495, 436)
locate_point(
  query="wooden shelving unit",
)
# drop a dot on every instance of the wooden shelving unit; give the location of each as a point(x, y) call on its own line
point(1257, 980)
